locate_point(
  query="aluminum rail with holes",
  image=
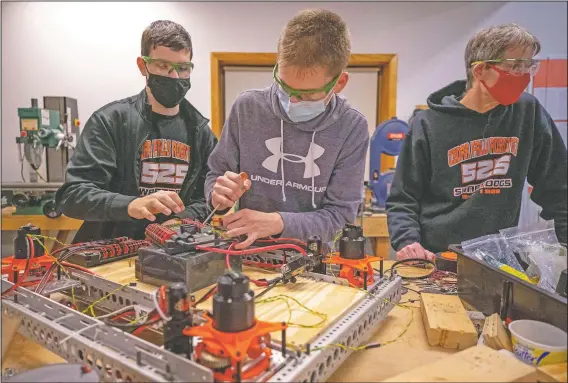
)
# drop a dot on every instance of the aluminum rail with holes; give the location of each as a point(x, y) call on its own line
point(117, 355)
point(351, 330)
point(94, 288)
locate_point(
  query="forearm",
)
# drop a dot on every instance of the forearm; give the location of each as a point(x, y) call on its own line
point(325, 223)
point(89, 203)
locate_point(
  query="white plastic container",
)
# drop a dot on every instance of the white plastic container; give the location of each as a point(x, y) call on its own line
point(538, 343)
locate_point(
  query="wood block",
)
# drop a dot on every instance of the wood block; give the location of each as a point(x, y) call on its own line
point(553, 373)
point(495, 335)
point(476, 364)
point(446, 322)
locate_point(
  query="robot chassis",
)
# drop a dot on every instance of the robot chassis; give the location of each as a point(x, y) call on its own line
point(120, 356)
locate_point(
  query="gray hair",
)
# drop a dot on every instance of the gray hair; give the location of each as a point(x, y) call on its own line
point(491, 43)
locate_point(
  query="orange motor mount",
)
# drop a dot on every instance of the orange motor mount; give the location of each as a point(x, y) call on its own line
point(233, 343)
point(14, 267)
point(356, 266)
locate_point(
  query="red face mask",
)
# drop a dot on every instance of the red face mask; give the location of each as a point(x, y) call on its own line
point(508, 87)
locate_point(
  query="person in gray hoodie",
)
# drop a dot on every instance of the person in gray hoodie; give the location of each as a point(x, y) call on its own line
point(302, 145)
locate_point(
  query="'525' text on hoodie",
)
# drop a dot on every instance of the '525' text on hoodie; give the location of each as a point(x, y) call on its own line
point(461, 173)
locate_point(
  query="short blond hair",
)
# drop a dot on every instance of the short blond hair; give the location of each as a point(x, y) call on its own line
point(315, 38)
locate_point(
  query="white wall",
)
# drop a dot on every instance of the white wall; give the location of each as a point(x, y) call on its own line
point(88, 50)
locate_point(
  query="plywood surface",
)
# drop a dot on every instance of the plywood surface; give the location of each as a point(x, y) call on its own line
point(553, 373)
point(409, 351)
point(329, 300)
point(476, 364)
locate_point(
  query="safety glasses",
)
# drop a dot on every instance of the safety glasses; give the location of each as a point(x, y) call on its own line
point(302, 94)
point(516, 67)
point(183, 69)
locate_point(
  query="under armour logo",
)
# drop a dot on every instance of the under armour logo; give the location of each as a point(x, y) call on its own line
point(272, 162)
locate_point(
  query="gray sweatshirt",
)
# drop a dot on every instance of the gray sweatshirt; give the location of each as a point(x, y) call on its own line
point(310, 172)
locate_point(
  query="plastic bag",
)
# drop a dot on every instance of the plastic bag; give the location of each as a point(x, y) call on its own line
point(539, 249)
point(549, 260)
point(494, 246)
point(519, 238)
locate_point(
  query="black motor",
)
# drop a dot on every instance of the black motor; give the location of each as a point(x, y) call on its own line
point(352, 242)
point(233, 304)
point(315, 248)
point(21, 242)
point(178, 309)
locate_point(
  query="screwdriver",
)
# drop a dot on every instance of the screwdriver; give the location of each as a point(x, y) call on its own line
point(244, 177)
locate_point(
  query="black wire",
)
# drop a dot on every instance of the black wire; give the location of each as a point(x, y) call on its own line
point(270, 287)
point(416, 291)
point(403, 261)
point(206, 296)
point(133, 326)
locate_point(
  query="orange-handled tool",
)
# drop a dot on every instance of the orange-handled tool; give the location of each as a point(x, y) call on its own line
point(244, 177)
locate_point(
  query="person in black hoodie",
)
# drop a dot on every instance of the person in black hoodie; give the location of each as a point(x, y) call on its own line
point(463, 165)
point(142, 159)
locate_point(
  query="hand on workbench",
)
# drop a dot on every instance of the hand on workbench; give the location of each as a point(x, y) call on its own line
point(228, 189)
point(254, 224)
point(415, 250)
point(160, 202)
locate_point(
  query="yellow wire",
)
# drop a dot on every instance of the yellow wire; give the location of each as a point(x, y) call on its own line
point(92, 305)
point(46, 237)
point(289, 321)
point(364, 347)
point(36, 238)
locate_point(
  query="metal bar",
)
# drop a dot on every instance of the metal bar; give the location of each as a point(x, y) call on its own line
point(79, 338)
point(31, 185)
point(353, 329)
point(326, 278)
point(95, 287)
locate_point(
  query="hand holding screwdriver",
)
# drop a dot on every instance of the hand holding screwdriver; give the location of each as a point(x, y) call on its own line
point(227, 190)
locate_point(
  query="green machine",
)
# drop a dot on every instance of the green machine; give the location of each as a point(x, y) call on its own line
point(45, 134)
point(40, 127)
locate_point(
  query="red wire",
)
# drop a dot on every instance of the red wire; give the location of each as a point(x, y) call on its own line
point(254, 250)
point(26, 272)
point(228, 257)
point(294, 240)
point(119, 316)
point(139, 330)
point(261, 264)
point(74, 266)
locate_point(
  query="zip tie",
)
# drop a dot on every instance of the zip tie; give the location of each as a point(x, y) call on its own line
point(79, 332)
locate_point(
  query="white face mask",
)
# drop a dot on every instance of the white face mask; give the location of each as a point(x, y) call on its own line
point(302, 110)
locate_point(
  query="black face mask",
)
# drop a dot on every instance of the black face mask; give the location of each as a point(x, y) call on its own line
point(168, 91)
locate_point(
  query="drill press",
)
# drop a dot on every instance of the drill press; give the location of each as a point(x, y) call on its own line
point(48, 131)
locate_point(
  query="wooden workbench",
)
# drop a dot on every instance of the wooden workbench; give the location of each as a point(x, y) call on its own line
point(374, 365)
point(60, 228)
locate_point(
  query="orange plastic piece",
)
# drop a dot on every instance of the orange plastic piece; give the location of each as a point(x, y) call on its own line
point(449, 255)
point(236, 346)
point(11, 266)
point(349, 266)
point(217, 221)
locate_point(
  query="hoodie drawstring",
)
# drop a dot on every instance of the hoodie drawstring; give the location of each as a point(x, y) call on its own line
point(312, 171)
point(312, 164)
point(282, 158)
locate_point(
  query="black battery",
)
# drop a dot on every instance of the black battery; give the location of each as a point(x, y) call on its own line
point(197, 269)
